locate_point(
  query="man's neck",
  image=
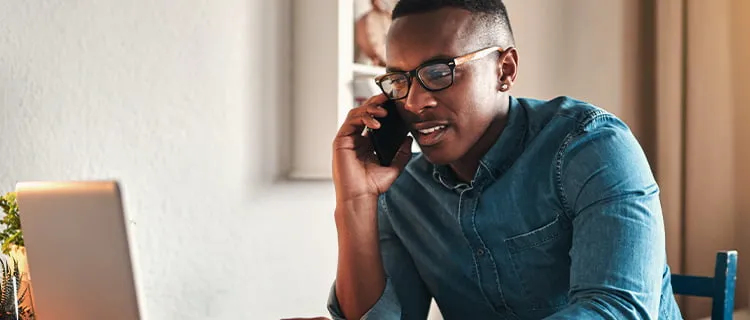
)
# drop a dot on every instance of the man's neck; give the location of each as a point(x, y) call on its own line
point(466, 167)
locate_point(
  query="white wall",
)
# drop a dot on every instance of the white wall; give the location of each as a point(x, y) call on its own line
point(183, 103)
point(587, 49)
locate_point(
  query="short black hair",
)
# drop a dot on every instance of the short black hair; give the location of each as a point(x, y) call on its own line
point(491, 15)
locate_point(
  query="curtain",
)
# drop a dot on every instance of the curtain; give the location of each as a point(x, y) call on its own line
point(702, 140)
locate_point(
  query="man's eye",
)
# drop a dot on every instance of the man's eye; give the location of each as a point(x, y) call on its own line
point(436, 74)
point(398, 83)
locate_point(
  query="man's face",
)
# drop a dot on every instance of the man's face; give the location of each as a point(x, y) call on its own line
point(445, 123)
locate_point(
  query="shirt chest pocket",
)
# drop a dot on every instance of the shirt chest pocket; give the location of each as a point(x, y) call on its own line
point(541, 261)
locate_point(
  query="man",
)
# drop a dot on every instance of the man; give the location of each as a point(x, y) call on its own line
point(515, 209)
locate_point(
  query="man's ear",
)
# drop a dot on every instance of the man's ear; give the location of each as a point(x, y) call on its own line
point(507, 68)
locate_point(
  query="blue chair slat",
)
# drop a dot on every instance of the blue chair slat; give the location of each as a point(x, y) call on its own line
point(693, 286)
point(720, 287)
point(725, 276)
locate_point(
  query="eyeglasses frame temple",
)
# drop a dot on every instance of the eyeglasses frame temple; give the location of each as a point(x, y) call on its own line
point(477, 55)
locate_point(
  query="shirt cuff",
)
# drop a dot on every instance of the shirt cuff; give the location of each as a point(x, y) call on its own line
point(387, 306)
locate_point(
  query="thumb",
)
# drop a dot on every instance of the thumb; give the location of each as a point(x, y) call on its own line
point(403, 155)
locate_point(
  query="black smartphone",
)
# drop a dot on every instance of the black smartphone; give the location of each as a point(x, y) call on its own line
point(388, 138)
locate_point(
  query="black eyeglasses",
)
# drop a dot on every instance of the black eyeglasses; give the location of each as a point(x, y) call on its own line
point(433, 75)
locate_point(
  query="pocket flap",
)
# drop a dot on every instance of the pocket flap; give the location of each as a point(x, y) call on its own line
point(537, 236)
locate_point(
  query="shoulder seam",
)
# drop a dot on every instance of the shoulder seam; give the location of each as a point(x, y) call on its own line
point(589, 117)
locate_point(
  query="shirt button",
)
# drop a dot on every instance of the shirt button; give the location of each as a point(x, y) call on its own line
point(480, 252)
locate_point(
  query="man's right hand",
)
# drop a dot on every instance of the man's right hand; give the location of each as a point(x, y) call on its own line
point(357, 174)
point(359, 179)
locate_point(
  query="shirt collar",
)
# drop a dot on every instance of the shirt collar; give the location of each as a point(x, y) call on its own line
point(499, 157)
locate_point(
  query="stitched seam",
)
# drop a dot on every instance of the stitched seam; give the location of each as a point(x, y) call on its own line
point(537, 230)
point(589, 117)
point(484, 165)
point(536, 244)
point(468, 243)
point(384, 204)
point(559, 219)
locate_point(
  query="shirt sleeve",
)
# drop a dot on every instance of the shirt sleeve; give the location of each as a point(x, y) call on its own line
point(405, 295)
point(618, 248)
point(387, 307)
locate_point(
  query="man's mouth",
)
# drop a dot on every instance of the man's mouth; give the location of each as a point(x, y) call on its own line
point(431, 130)
point(430, 135)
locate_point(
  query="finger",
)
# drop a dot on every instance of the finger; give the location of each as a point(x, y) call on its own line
point(370, 121)
point(375, 100)
point(354, 122)
point(376, 110)
point(403, 155)
point(362, 116)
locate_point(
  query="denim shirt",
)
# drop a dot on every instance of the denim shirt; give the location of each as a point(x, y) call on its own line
point(561, 221)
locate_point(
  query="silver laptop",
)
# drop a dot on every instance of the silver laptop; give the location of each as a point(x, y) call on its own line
point(77, 247)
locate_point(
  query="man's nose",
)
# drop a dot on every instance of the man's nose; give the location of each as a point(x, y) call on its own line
point(419, 98)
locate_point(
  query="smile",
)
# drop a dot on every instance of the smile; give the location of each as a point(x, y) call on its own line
point(430, 136)
point(431, 130)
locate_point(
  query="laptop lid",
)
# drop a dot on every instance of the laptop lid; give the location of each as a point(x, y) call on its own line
point(77, 248)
